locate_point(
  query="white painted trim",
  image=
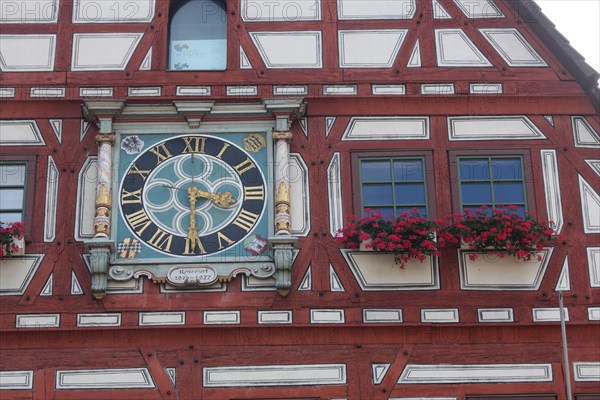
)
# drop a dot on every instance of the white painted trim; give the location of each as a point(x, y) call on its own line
point(594, 313)
point(586, 371)
point(378, 372)
point(564, 280)
point(161, 318)
point(36, 140)
point(16, 380)
point(49, 62)
point(399, 90)
point(593, 261)
point(6, 266)
point(147, 91)
point(306, 282)
point(290, 90)
point(327, 316)
point(221, 318)
point(96, 92)
point(437, 89)
point(477, 373)
point(441, 54)
point(590, 206)
point(382, 315)
point(549, 314)
point(595, 165)
point(7, 92)
point(495, 315)
point(536, 63)
point(52, 177)
point(343, 51)
point(485, 88)
point(493, 129)
point(116, 12)
point(334, 190)
point(335, 285)
point(281, 11)
point(318, 48)
point(487, 5)
point(274, 375)
point(193, 91)
point(38, 12)
point(439, 315)
point(47, 289)
point(37, 320)
point(77, 38)
point(340, 90)
point(76, 289)
point(250, 90)
point(387, 128)
point(83, 180)
point(552, 188)
point(94, 379)
point(98, 320)
point(47, 92)
point(57, 127)
point(406, 9)
point(302, 174)
point(274, 317)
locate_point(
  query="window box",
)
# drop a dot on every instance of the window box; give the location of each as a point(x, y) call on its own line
point(12, 240)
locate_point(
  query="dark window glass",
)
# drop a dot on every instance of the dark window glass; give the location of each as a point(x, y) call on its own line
point(198, 35)
point(13, 181)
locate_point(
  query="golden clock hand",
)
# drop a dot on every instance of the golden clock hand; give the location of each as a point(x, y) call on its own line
point(192, 232)
point(224, 199)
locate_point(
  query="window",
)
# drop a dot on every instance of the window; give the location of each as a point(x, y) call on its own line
point(16, 182)
point(491, 180)
point(198, 35)
point(393, 183)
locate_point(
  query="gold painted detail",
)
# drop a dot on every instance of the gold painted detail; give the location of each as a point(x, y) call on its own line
point(105, 138)
point(102, 221)
point(129, 248)
point(103, 196)
point(254, 142)
point(282, 135)
point(283, 194)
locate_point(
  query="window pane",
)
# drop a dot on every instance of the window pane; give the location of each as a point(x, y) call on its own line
point(198, 36)
point(376, 171)
point(476, 193)
point(474, 169)
point(12, 175)
point(377, 194)
point(507, 169)
point(409, 170)
point(385, 211)
point(11, 217)
point(11, 199)
point(410, 193)
point(421, 210)
point(509, 193)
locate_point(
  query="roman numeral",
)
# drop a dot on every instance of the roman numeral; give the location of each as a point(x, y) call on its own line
point(254, 192)
point(244, 166)
point(135, 170)
point(161, 240)
point(194, 144)
point(225, 146)
point(246, 220)
point(161, 152)
point(191, 244)
point(134, 197)
point(222, 238)
point(139, 221)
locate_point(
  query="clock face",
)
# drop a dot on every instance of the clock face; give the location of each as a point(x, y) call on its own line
point(193, 195)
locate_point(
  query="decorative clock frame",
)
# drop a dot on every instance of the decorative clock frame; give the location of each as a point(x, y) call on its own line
point(117, 120)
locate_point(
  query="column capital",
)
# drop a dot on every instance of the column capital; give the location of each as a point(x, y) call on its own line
point(105, 138)
point(282, 135)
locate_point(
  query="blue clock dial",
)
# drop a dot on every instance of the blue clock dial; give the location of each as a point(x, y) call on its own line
point(192, 195)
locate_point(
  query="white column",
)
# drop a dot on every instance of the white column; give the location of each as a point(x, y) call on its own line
point(283, 218)
point(103, 186)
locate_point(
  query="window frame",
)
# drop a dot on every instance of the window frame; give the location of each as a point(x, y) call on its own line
point(428, 172)
point(174, 7)
point(455, 181)
point(30, 162)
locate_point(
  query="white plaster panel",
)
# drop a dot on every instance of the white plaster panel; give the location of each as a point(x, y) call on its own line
point(549, 314)
point(193, 91)
point(241, 90)
point(281, 10)
point(340, 90)
point(47, 289)
point(86, 199)
point(517, 127)
point(378, 271)
point(440, 315)
point(96, 92)
point(387, 128)
point(477, 373)
point(28, 11)
point(479, 8)
point(57, 125)
point(590, 204)
point(215, 287)
point(593, 261)
point(594, 313)
point(439, 12)
point(414, 60)
point(376, 9)
point(289, 49)
point(75, 285)
point(334, 190)
point(485, 88)
point(52, 177)
point(437, 89)
point(274, 317)
point(382, 315)
point(595, 165)
point(254, 284)
point(146, 64)
point(564, 280)
point(299, 195)
point(16, 273)
point(7, 92)
point(94, 379)
point(117, 51)
point(455, 49)
point(50, 92)
point(379, 371)
point(99, 319)
point(275, 375)
point(16, 380)
point(20, 133)
point(335, 285)
point(114, 11)
point(513, 47)
point(244, 60)
point(388, 89)
point(162, 318)
point(490, 272)
point(37, 320)
point(495, 315)
point(221, 317)
point(27, 53)
point(552, 189)
point(586, 371)
point(584, 134)
point(306, 283)
point(148, 91)
point(290, 90)
point(356, 48)
point(322, 316)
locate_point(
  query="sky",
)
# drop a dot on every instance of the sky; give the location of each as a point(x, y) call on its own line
point(579, 22)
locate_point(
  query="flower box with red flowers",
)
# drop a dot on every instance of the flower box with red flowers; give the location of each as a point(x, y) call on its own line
point(12, 239)
point(500, 232)
point(407, 236)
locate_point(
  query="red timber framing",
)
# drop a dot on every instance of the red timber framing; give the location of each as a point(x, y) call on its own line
point(327, 342)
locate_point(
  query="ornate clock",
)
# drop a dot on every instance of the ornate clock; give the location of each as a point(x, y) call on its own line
point(192, 196)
